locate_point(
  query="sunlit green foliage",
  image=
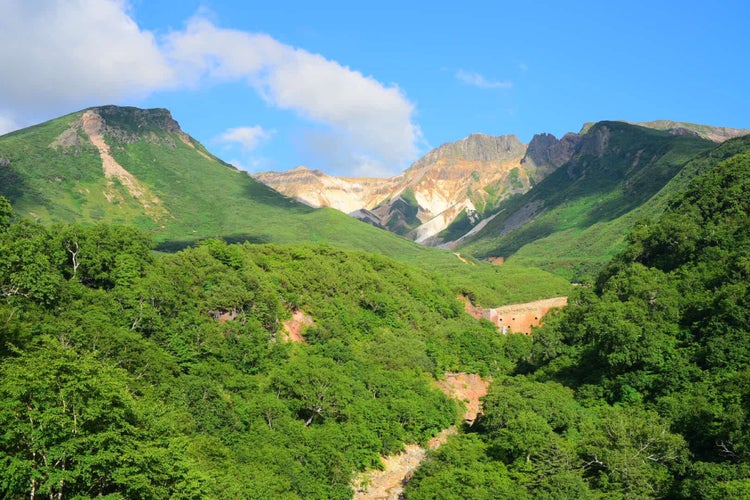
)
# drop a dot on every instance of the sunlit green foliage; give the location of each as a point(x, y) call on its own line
point(201, 197)
point(640, 388)
point(131, 375)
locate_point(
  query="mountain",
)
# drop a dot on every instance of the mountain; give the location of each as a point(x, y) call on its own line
point(715, 134)
point(318, 189)
point(639, 388)
point(575, 220)
point(451, 192)
point(135, 166)
point(458, 180)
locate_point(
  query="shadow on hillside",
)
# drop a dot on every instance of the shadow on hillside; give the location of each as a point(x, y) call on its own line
point(172, 246)
point(12, 185)
point(260, 193)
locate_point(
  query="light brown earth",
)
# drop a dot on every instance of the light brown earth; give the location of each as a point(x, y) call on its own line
point(515, 318)
point(293, 327)
point(462, 259)
point(519, 318)
point(498, 261)
point(466, 387)
point(389, 483)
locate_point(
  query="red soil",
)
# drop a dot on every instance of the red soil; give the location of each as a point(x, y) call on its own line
point(293, 327)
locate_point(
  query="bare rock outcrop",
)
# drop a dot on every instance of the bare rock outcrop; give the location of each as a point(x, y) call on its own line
point(456, 179)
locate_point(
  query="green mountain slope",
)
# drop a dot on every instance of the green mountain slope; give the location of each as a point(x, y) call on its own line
point(640, 388)
point(125, 374)
point(575, 220)
point(135, 166)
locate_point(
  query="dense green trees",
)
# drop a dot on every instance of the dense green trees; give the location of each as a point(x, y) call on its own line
point(126, 373)
point(129, 374)
point(640, 388)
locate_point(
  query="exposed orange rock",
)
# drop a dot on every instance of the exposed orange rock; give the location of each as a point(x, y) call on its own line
point(293, 327)
point(515, 318)
point(466, 387)
point(472, 310)
point(389, 483)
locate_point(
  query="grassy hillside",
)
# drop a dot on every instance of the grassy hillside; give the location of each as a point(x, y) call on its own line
point(589, 249)
point(575, 220)
point(53, 173)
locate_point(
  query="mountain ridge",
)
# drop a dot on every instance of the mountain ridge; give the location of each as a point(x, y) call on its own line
point(576, 219)
point(461, 177)
point(456, 185)
point(53, 173)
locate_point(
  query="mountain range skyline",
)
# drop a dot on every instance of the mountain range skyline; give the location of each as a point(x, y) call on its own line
point(364, 90)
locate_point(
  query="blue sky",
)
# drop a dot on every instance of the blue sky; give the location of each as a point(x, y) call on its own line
point(366, 88)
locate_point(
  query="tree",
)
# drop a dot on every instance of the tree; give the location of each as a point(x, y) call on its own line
point(315, 389)
point(6, 211)
point(630, 451)
point(27, 264)
point(104, 255)
point(66, 419)
point(71, 426)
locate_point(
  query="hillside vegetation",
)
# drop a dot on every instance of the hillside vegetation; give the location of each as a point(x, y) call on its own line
point(53, 173)
point(640, 388)
point(576, 219)
point(140, 376)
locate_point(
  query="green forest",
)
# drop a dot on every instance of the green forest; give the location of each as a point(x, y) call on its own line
point(640, 388)
point(132, 369)
point(120, 378)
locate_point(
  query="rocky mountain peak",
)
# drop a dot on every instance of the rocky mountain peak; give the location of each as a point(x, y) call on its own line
point(546, 152)
point(596, 139)
point(476, 147)
point(137, 120)
point(128, 125)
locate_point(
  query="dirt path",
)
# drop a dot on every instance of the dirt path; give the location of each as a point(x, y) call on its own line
point(388, 484)
point(462, 259)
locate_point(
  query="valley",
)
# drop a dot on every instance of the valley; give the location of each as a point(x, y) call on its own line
point(560, 319)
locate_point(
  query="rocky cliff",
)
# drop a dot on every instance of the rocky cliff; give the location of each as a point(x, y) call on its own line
point(447, 193)
point(462, 179)
point(318, 189)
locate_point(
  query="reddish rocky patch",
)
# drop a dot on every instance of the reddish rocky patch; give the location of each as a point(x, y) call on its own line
point(515, 318)
point(293, 327)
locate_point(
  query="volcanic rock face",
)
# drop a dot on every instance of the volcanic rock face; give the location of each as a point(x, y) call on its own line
point(318, 189)
point(460, 183)
point(545, 153)
point(466, 177)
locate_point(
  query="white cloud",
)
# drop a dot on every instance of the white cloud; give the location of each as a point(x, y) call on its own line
point(60, 55)
point(247, 138)
point(56, 54)
point(477, 80)
point(371, 120)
